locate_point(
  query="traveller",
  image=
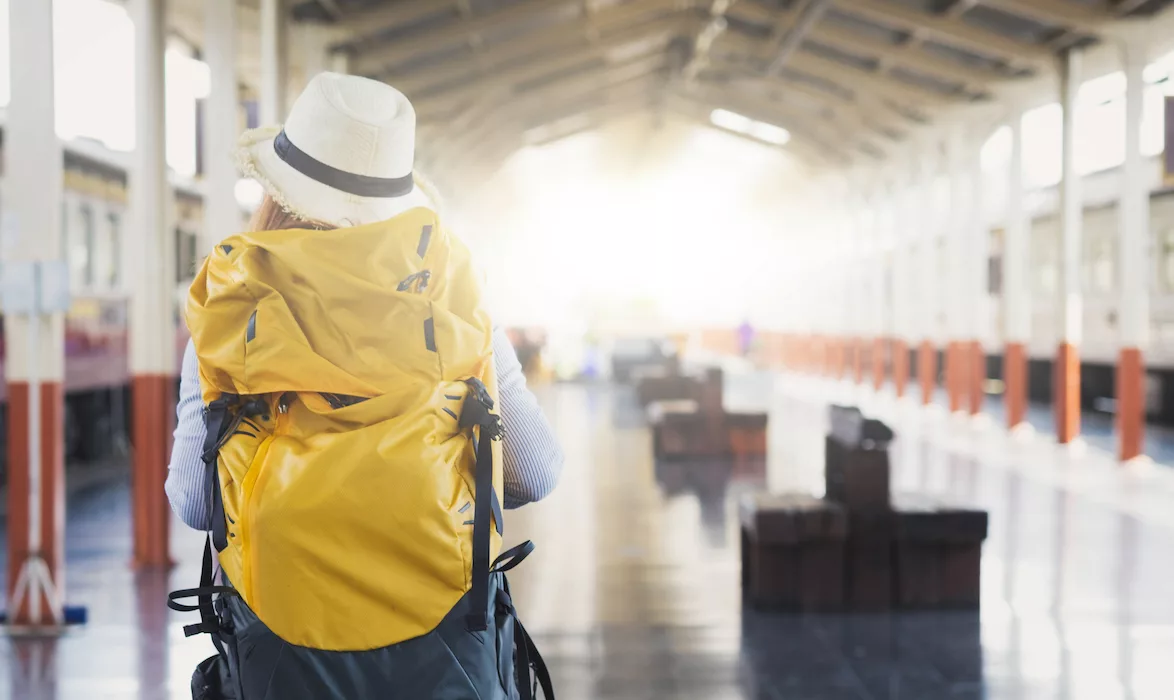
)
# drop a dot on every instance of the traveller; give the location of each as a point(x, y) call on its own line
point(350, 425)
point(745, 338)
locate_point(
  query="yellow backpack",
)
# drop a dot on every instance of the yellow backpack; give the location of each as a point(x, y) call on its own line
point(350, 387)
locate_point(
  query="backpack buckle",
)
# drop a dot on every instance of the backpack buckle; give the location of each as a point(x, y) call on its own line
point(476, 411)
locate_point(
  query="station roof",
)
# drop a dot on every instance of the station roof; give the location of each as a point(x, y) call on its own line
point(851, 80)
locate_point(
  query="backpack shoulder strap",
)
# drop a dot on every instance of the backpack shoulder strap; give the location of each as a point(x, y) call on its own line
point(476, 413)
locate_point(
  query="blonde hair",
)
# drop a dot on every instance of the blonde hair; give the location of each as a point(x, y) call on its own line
point(270, 216)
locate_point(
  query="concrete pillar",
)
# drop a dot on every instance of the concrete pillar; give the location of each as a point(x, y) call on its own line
point(312, 47)
point(150, 254)
point(959, 230)
point(859, 282)
point(928, 274)
point(838, 358)
point(35, 344)
point(340, 62)
point(882, 312)
point(978, 281)
point(222, 215)
point(1134, 211)
point(903, 252)
point(1069, 307)
point(274, 61)
point(1016, 283)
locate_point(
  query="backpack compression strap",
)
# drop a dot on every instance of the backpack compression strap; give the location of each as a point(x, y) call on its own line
point(220, 424)
point(476, 413)
point(529, 667)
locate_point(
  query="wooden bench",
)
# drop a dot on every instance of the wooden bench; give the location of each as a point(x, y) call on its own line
point(699, 426)
point(747, 434)
point(856, 461)
point(678, 430)
point(660, 384)
point(792, 552)
point(938, 552)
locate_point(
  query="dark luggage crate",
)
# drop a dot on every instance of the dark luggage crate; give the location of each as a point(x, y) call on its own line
point(678, 430)
point(669, 387)
point(856, 477)
point(792, 552)
point(868, 561)
point(938, 553)
point(747, 434)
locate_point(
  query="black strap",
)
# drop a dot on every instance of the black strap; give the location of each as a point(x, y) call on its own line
point(534, 659)
point(209, 623)
point(477, 415)
point(219, 427)
point(512, 557)
point(495, 504)
point(351, 183)
point(478, 619)
point(522, 663)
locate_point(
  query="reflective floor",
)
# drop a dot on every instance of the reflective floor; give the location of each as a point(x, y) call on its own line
point(633, 591)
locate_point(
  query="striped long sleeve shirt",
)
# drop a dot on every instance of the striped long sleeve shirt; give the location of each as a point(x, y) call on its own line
point(532, 460)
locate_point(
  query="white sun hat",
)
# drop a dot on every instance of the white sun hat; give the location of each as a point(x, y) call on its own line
point(344, 156)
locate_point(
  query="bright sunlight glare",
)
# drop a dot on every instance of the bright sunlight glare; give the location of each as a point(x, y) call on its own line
point(640, 228)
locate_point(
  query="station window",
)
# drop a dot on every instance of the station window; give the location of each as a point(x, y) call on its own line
point(1167, 271)
point(85, 247)
point(1046, 278)
point(78, 239)
point(114, 250)
point(995, 275)
point(1098, 267)
point(186, 252)
point(64, 238)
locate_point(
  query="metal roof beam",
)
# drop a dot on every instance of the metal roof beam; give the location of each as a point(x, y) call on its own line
point(382, 56)
point(876, 115)
point(623, 28)
point(910, 55)
point(1086, 18)
point(853, 78)
point(633, 75)
point(948, 30)
point(388, 15)
point(905, 55)
point(808, 150)
point(871, 82)
point(508, 118)
point(703, 42)
point(547, 65)
point(780, 114)
point(787, 42)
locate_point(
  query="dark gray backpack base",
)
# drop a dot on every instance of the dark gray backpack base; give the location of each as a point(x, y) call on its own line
point(449, 663)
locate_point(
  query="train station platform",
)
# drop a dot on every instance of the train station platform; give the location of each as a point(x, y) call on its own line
point(633, 591)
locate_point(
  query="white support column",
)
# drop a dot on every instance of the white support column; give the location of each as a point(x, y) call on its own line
point(883, 311)
point(930, 301)
point(960, 230)
point(861, 325)
point(222, 215)
point(904, 302)
point(1017, 309)
point(1069, 303)
point(1134, 211)
point(841, 327)
point(274, 63)
point(978, 314)
point(312, 47)
point(150, 254)
point(340, 62)
point(35, 361)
